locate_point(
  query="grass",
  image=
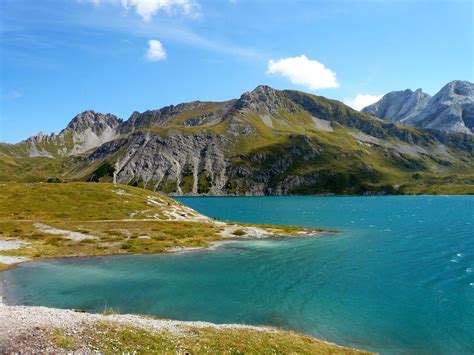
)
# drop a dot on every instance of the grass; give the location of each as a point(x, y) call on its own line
point(117, 219)
point(110, 311)
point(75, 201)
point(111, 337)
point(64, 341)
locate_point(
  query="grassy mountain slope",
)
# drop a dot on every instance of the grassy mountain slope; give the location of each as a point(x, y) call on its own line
point(266, 142)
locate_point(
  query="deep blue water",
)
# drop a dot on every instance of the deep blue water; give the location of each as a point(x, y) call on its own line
point(397, 278)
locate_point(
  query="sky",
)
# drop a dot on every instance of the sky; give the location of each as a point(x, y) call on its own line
point(61, 57)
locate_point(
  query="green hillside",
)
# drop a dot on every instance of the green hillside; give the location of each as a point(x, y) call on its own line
point(268, 142)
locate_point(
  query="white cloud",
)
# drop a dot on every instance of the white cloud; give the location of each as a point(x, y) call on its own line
point(148, 8)
point(166, 28)
point(303, 71)
point(156, 51)
point(362, 100)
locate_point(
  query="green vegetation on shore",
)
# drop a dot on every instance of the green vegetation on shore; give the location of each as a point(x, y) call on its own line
point(84, 219)
point(110, 337)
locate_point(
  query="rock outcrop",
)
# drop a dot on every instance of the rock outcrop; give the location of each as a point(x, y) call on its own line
point(91, 129)
point(451, 109)
point(86, 131)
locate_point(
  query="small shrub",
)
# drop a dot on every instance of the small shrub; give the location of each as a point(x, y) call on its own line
point(54, 240)
point(64, 341)
point(239, 232)
point(54, 180)
point(83, 231)
point(115, 233)
point(87, 241)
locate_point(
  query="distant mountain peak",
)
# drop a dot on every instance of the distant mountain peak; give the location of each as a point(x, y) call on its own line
point(458, 87)
point(94, 120)
point(263, 88)
point(87, 130)
point(262, 98)
point(399, 105)
point(451, 109)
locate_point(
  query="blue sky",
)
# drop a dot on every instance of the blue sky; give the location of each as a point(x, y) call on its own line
point(59, 58)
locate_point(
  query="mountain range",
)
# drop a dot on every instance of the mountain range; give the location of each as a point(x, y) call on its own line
point(451, 109)
point(267, 142)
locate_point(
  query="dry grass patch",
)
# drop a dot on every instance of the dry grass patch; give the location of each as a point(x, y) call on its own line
point(106, 215)
point(111, 337)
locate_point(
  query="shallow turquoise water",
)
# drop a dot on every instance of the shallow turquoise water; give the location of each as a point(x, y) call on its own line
point(398, 278)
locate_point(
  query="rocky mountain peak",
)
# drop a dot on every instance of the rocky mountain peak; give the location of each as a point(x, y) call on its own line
point(451, 109)
point(40, 137)
point(90, 129)
point(262, 98)
point(95, 121)
point(263, 89)
point(399, 105)
point(458, 87)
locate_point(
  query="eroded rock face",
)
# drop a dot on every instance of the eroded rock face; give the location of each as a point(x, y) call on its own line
point(90, 129)
point(175, 163)
point(201, 163)
point(451, 109)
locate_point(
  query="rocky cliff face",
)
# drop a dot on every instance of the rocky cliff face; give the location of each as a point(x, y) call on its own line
point(451, 109)
point(90, 129)
point(173, 163)
point(267, 142)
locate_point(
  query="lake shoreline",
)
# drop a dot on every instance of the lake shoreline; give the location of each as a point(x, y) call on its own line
point(36, 328)
point(10, 262)
point(214, 245)
point(38, 318)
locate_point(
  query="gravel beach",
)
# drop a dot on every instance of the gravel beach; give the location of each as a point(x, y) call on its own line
point(29, 329)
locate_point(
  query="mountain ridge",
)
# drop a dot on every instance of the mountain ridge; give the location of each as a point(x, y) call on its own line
point(267, 142)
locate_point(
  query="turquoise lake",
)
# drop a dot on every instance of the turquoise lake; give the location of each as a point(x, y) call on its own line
point(398, 277)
